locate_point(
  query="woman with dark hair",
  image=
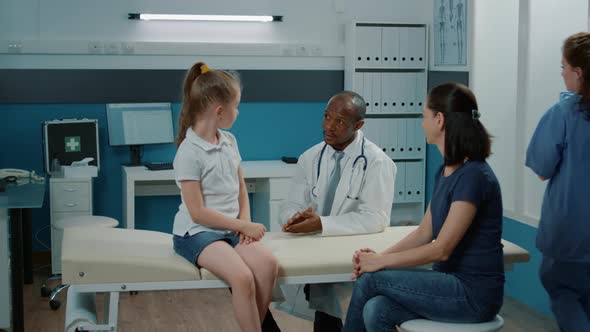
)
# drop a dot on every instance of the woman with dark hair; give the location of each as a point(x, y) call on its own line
point(558, 152)
point(460, 234)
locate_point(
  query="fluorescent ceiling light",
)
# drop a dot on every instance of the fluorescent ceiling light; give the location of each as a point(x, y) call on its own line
point(225, 18)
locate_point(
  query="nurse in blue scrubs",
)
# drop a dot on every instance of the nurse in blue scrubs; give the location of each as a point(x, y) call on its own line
point(559, 152)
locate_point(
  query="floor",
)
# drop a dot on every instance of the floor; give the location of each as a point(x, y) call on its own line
point(210, 310)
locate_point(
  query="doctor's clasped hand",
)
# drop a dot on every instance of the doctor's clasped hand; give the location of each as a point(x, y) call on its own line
point(306, 221)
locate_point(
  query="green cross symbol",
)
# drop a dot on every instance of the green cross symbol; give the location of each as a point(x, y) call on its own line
point(72, 144)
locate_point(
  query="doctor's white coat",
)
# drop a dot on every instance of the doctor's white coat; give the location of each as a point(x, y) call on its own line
point(367, 212)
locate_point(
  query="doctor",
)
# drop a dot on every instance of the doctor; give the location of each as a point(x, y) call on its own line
point(343, 186)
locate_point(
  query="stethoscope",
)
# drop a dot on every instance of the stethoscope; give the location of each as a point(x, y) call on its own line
point(359, 179)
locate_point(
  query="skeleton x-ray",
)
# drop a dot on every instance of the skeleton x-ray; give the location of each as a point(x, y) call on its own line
point(450, 32)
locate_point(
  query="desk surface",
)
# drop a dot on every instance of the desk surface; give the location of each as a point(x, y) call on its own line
point(23, 196)
point(251, 170)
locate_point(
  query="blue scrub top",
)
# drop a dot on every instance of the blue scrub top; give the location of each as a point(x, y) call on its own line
point(478, 258)
point(560, 151)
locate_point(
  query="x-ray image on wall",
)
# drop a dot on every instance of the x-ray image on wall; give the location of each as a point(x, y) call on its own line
point(450, 32)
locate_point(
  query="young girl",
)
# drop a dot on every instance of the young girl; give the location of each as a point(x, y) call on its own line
point(466, 283)
point(212, 228)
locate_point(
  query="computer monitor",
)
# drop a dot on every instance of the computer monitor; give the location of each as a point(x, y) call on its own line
point(138, 124)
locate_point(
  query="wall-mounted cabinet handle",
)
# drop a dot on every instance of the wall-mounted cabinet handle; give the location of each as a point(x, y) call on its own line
point(71, 204)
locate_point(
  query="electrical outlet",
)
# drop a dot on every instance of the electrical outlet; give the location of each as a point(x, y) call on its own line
point(316, 50)
point(112, 48)
point(288, 50)
point(95, 47)
point(301, 50)
point(15, 46)
point(251, 187)
point(127, 48)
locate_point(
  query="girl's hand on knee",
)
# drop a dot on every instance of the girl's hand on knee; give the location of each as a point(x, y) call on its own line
point(253, 230)
point(246, 239)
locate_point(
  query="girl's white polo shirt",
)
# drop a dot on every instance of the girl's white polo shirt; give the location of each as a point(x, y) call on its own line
point(216, 167)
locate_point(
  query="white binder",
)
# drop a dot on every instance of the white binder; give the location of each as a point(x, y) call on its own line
point(420, 92)
point(400, 183)
point(358, 84)
point(386, 93)
point(363, 37)
point(404, 48)
point(417, 37)
point(368, 91)
point(419, 138)
point(396, 93)
point(376, 91)
point(390, 47)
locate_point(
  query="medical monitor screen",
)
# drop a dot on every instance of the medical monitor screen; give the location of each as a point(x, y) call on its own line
point(138, 124)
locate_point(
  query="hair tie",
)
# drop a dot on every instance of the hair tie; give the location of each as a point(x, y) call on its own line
point(475, 114)
point(204, 69)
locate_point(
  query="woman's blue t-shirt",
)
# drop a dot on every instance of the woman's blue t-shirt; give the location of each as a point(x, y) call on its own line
point(478, 258)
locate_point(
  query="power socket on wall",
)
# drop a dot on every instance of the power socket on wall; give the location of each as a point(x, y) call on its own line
point(112, 48)
point(95, 47)
point(127, 48)
point(15, 46)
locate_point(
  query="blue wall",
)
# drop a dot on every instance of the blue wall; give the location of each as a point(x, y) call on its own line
point(264, 131)
point(523, 283)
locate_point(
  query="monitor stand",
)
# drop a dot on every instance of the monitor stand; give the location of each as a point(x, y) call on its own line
point(135, 155)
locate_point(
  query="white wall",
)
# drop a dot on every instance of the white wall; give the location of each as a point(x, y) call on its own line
point(61, 30)
point(493, 79)
point(543, 73)
point(516, 77)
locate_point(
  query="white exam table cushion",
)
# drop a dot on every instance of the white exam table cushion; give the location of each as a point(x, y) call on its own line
point(317, 255)
point(115, 255)
point(124, 256)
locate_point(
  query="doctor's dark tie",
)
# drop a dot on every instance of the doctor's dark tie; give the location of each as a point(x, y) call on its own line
point(332, 184)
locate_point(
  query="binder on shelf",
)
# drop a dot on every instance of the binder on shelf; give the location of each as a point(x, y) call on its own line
point(396, 92)
point(374, 47)
point(385, 93)
point(393, 145)
point(420, 91)
point(419, 138)
point(400, 183)
point(390, 47)
point(410, 134)
point(358, 84)
point(363, 35)
point(368, 91)
point(417, 47)
point(419, 177)
point(404, 51)
point(376, 91)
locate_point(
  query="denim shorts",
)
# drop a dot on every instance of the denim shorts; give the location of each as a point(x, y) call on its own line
point(191, 246)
